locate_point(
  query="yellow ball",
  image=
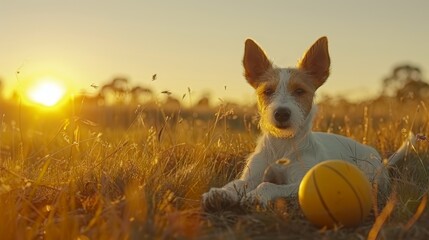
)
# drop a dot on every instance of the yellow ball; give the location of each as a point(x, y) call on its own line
point(335, 193)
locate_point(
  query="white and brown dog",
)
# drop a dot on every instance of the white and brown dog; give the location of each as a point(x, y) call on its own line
point(288, 148)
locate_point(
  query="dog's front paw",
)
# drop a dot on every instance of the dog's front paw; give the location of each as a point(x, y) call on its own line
point(218, 199)
point(261, 196)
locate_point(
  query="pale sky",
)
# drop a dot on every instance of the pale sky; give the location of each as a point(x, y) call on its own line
point(199, 44)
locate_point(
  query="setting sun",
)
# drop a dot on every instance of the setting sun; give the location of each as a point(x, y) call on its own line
point(47, 93)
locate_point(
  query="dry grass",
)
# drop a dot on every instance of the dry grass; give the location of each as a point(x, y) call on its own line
point(77, 181)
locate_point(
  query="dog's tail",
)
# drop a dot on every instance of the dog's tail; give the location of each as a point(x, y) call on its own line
point(402, 151)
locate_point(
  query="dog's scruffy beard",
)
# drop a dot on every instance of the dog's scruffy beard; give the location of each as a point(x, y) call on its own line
point(299, 122)
point(284, 133)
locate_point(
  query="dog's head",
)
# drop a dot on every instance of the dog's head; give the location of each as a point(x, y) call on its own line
point(285, 95)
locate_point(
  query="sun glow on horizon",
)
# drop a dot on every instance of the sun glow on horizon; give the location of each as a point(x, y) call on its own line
point(46, 92)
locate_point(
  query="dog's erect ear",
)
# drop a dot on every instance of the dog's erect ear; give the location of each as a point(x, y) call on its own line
point(255, 62)
point(316, 61)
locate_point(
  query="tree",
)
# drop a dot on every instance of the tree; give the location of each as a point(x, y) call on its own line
point(414, 90)
point(115, 91)
point(406, 81)
point(141, 94)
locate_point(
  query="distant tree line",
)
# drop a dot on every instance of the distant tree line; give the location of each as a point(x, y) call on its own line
point(119, 92)
point(405, 81)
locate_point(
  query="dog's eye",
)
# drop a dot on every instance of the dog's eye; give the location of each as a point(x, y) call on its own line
point(299, 91)
point(268, 92)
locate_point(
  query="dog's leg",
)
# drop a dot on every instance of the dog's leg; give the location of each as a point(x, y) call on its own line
point(230, 191)
point(267, 192)
point(226, 196)
point(277, 172)
point(233, 192)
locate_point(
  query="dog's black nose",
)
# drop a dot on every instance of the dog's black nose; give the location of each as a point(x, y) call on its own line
point(282, 115)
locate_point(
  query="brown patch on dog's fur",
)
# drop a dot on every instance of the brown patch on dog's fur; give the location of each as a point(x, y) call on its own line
point(267, 82)
point(300, 80)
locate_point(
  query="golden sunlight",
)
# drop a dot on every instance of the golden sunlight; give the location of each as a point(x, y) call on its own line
point(46, 92)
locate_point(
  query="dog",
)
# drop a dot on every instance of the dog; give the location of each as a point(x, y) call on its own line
point(288, 148)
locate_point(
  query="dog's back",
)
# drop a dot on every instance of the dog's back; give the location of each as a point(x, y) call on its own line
point(336, 147)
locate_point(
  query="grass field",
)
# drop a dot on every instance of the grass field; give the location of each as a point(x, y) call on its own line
point(70, 178)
